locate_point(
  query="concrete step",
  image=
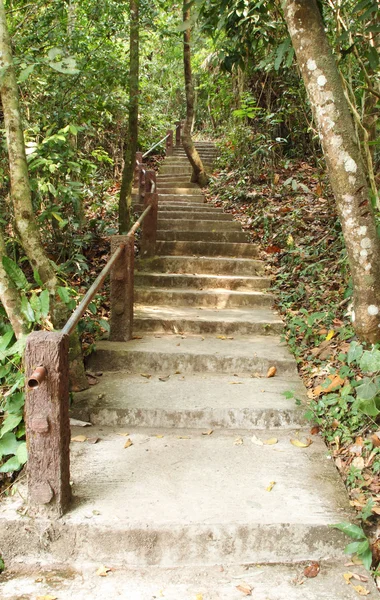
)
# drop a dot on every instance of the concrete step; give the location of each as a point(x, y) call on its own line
point(185, 184)
point(180, 191)
point(212, 236)
point(207, 249)
point(186, 224)
point(269, 581)
point(168, 354)
point(212, 298)
point(206, 321)
point(201, 282)
point(202, 265)
point(173, 213)
point(175, 170)
point(188, 195)
point(158, 502)
point(191, 401)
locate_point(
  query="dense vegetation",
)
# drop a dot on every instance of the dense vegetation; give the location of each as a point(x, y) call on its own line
point(72, 66)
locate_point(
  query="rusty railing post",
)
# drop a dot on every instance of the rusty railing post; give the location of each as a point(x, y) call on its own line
point(122, 277)
point(141, 186)
point(178, 133)
point(47, 421)
point(169, 142)
point(149, 225)
point(138, 167)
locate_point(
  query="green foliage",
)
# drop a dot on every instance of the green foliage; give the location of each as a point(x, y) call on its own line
point(361, 546)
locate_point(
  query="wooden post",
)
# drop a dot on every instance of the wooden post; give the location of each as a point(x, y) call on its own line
point(178, 133)
point(141, 186)
point(169, 143)
point(149, 225)
point(47, 422)
point(138, 167)
point(121, 322)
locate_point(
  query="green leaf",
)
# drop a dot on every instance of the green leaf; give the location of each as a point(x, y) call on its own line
point(105, 324)
point(351, 530)
point(35, 304)
point(67, 66)
point(37, 278)
point(27, 310)
point(22, 453)
point(353, 547)
point(13, 464)
point(10, 422)
point(5, 339)
point(15, 273)
point(45, 303)
point(366, 558)
point(2, 565)
point(280, 53)
point(367, 391)
point(368, 407)
point(370, 361)
point(8, 444)
point(24, 74)
point(354, 353)
point(63, 293)
point(15, 403)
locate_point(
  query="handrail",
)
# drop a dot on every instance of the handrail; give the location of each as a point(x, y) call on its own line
point(155, 145)
point(79, 311)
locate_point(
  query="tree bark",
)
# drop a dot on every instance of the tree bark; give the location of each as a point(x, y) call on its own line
point(343, 158)
point(125, 199)
point(10, 297)
point(25, 222)
point(199, 173)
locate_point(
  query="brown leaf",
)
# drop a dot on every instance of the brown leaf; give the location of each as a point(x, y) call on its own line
point(312, 570)
point(164, 378)
point(146, 375)
point(272, 249)
point(79, 438)
point(272, 372)
point(93, 440)
point(375, 440)
point(334, 382)
point(209, 432)
point(128, 443)
point(238, 441)
point(358, 463)
point(245, 589)
point(315, 430)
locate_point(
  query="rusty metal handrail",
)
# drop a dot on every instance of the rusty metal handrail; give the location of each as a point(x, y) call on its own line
point(88, 297)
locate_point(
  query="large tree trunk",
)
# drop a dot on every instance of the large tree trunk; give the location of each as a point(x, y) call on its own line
point(125, 199)
point(343, 158)
point(25, 222)
point(10, 297)
point(199, 173)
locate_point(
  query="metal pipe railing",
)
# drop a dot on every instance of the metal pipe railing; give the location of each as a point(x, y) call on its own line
point(155, 145)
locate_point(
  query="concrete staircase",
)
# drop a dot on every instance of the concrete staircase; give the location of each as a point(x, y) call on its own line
point(194, 487)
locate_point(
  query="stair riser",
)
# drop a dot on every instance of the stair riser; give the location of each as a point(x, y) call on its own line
point(180, 191)
point(169, 298)
point(168, 170)
point(192, 224)
point(201, 283)
point(181, 199)
point(136, 361)
point(184, 184)
point(206, 249)
point(145, 325)
point(199, 236)
point(170, 213)
point(190, 419)
point(173, 546)
point(218, 266)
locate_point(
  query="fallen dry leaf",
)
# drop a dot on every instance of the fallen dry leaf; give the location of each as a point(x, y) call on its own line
point(347, 576)
point(312, 570)
point(159, 436)
point(93, 440)
point(335, 382)
point(301, 444)
point(165, 378)
point(238, 441)
point(146, 375)
point(270, 486)
point(78, 423)
point(359, 577)
point(358, 463)
point(272, 372)
point(255, 440)
point(235, 382)
point(361, 590)
point(315, 430)
point(330, 335)
point(209, 432)
point(245, 588)
point(103, 571)
point(48, 597)
point(375, 439)
point(183, 437)
point(123, 434)
point(128, 443)
point(79, 438)
point(199, 597)
point(270, 442)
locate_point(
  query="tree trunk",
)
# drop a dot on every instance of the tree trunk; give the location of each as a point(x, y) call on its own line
point(125, 199)
point(199, 173)
point(10, 297)
point(25, 222)
point(343, 158)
